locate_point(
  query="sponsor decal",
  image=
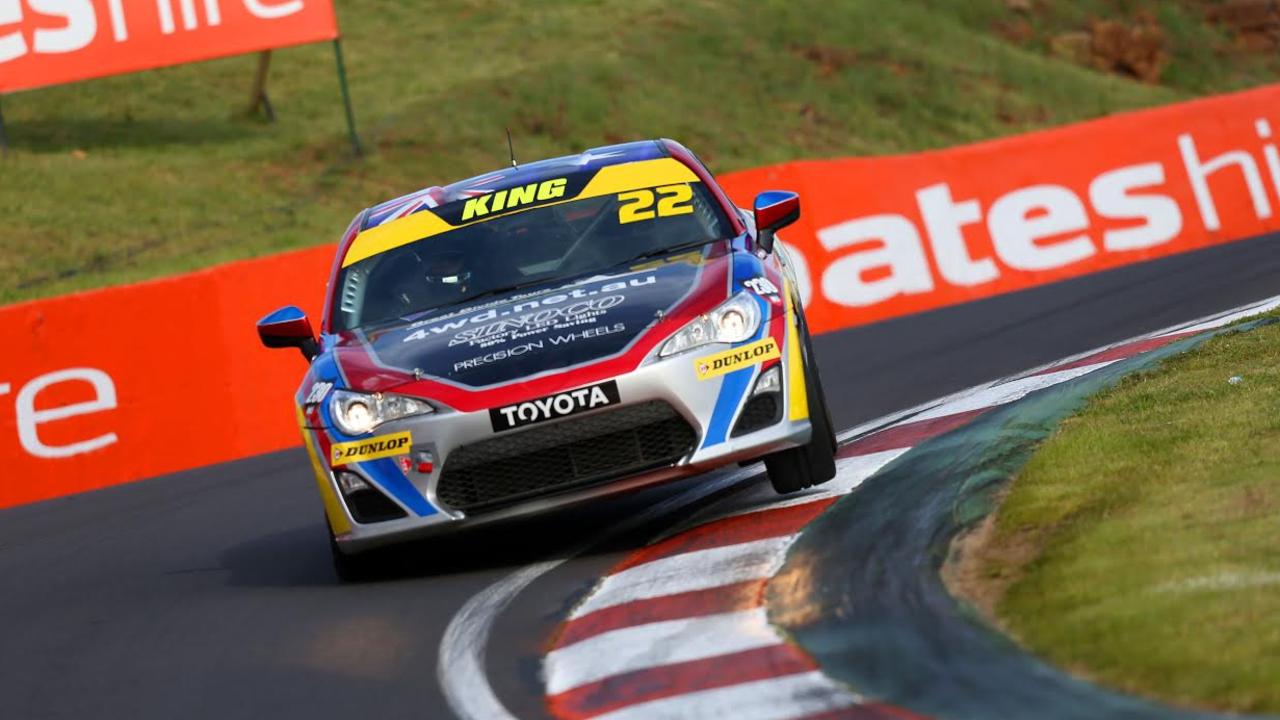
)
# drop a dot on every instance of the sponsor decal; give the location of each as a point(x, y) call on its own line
point(371, 449)
point(761, 286)
point(559, 309)
point(515, 197)
point(587, 334)
point(517, 350)
point(710, 366)
point(498, 356)
point(640, 205)
point(318, 392)
point(554, 407)
point(501, 331)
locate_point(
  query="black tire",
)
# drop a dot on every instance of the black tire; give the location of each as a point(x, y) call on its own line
point(812, 464)
point(816, 379)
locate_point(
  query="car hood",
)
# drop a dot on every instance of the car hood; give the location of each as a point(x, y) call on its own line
point(550, 329)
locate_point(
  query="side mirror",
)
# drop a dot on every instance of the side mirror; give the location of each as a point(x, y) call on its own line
point(289, 327)
point(774, 210)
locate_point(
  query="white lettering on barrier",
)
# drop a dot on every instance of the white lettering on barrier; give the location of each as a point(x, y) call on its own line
point(1041, 227)
point(899, 251)
point(81, 21)
point(30, 419)
point(268, 11)
point(12, 44)
point(1110, 194)
point(1022, 223)
point(81, 27)
point(944, 221)
point(1199, 171)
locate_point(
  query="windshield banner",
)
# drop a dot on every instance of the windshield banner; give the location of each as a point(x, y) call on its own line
point(51, 43)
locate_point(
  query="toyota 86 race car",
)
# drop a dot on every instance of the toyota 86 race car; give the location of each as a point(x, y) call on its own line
point(550, 333)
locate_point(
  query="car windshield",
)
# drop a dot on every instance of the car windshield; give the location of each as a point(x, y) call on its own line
point(546, 243)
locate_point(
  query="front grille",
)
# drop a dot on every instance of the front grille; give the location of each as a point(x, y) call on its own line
point(564, 455)
point(761, 412)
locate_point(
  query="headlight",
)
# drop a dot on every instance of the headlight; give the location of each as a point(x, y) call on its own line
point(734, 320)
point(357, 413)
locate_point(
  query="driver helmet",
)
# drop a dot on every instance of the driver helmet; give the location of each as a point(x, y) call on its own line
point(445, 276)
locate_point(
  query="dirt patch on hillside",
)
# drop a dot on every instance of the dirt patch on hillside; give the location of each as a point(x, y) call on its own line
point(980, 571)
point(1254, 25)
point(1138, 49)
point(1133, 42)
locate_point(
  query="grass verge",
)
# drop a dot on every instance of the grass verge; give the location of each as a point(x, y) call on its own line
point(129, 177)
point(1139, 546)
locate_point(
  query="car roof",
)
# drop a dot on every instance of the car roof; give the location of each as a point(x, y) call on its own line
point(522, 174)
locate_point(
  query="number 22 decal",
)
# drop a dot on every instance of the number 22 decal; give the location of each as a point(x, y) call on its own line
point(638, 205)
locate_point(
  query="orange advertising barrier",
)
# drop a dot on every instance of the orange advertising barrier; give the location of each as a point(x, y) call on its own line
point(47, 43)
point(125, 383)
point(884, 237)
point(114, 385)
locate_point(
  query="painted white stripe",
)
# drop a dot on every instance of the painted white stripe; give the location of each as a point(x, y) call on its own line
point(1007, 392)
point(1229, 318)
point(697, 570)
point(461, 660)
point(791, 696)
point(852, 472)
point(656, 644)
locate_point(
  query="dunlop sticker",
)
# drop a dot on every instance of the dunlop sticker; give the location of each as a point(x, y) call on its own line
point(719, 364)
point(371, 449)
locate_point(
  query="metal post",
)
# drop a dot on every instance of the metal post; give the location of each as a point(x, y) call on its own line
point(4, 136)
point(259, 98)
point(346, 99)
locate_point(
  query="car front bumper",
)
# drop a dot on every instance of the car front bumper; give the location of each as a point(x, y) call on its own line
point(712, 407)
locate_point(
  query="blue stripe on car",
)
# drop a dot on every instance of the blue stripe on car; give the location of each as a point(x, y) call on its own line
point(384, 473)
point(735, 385)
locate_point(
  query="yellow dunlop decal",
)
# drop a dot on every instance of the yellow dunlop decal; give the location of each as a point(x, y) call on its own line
point(371, 449)
point(719, 364)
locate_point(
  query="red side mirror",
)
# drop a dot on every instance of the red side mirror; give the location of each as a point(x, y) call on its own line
point(774, 209)
point(288, 327)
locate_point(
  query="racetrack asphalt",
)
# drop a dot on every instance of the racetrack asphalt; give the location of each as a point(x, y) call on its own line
point(209, 593)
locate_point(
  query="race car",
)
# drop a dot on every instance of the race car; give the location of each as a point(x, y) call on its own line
point(551, 333)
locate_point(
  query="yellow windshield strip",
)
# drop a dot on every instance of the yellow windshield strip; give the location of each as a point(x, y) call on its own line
point(636, 175)
point(610, 180)
point(392, 235)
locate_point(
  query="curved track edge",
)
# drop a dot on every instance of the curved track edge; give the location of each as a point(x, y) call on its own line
point(861, 590)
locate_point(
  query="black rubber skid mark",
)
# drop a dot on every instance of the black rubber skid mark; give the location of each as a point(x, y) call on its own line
point(861, 591)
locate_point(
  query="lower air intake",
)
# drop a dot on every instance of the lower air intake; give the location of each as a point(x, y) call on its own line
point(761, 412)
point(565, 455)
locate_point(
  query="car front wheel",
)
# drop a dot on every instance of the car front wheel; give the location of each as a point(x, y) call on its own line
point(814, 463)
